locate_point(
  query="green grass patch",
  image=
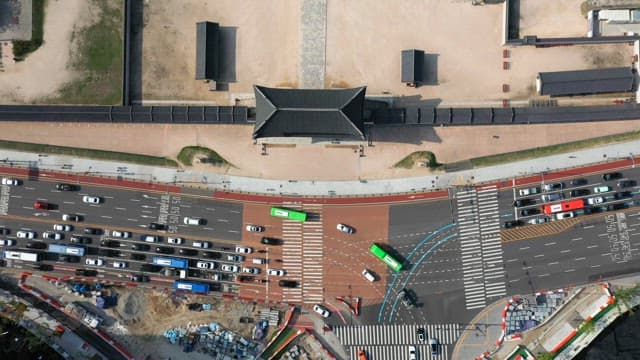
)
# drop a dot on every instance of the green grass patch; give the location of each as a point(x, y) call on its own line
point(426, 157)
point(553, 149)
point(23, 48)
point(88, 153)
point(98, 58)
point(188, 153)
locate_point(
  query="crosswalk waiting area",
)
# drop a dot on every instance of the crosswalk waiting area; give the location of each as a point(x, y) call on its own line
point(391, 342)
point(302, 255)
point(478, 221)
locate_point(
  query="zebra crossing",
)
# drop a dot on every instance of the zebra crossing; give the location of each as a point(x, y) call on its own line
point(390, 342)
point(302, 255)
point(5, 191)
point(478, 220)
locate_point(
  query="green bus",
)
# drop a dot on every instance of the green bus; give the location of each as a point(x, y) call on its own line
point(381, 254)
point(288, 214)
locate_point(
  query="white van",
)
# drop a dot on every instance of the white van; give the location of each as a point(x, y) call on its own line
point(151, 238)
point(259, 261)
point(201, 244)
point(368, 275)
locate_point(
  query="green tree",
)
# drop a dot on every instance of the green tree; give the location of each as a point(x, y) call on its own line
point(546, 356)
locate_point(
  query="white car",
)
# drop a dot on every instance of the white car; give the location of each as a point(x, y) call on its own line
point(94, 262)
point(243, 250)
point(62, 227)
point(205, 265)
point(120, 264)
point(10, 182)
point(368, 275)
point(250, 270)
point(412, 353)
point(52, 235)
point(254, 228)
point(70, 217)
point(258, 261)
point(528, 191)
point(121, 234)
point(7, 242)
point(321, 310)
point(538, 220)
point(26, 234)
point(564, 215)
point(276, 272)
point(345, 228)
point(595, 200)
point(230, 268)
point(238, 258)
point(601, 189)
point(192, 221)
point(91, 199)
point(175, 241)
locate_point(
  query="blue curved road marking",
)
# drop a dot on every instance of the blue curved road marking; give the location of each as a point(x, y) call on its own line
point(433, 247)
point(395, 276)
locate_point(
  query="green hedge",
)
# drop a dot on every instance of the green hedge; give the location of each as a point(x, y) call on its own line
point(23, 48)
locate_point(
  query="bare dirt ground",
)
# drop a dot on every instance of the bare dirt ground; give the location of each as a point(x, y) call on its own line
point(552, 18)
point(315, 162)
point(267, 46)
point(46, 70)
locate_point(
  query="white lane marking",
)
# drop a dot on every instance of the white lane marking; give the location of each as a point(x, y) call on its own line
point(149, 197)
point(592, 246)
point(108, 197)
point(233, 231)
point(146, 211)
point(576, 239)
point(223, 220)
point(543, 275)
point(146, 216)
point(588, 226)
point(185, 206)
point(512, 260)
point(69, 202)
point(106, 217)
point(234, 211)
point(134, 199)
point(539, 255)
point(27, 207)
point(595, 266)
point(92, 205)
point(29, 188)
point(120, 208)
point(553, 263)
point(514, 280)
point(550, 243)
point(570, 270)
point(565, 251)
point(16, 196)
point(524, 248)
point(132, 219)
point(211, 209)
point(580, 259)
point(208, 228)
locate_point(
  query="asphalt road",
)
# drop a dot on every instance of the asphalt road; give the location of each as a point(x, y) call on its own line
point(125, 210)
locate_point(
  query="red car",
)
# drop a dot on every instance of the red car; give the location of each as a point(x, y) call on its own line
point(41, 205)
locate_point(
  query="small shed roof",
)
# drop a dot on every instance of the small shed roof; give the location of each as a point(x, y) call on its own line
point(412, 63)
point(207, 50)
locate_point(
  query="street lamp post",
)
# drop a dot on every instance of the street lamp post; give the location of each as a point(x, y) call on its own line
point(633, 160)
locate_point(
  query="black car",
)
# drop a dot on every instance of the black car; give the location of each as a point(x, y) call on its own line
point(150, 268)
point(156, 226)
point(627, 183)
point(136, 256)
point(611, 176)
point(80, 240)
point(4, 231)
point(86, 272)
point(529, 212)
point(288, 283)
point(109, 243)
point(623, 195)
point(108, 252)
point(69, 258)
point(36, 245)
point(269, 241)
point(188, 252)
point(140, 278)
point(512, 224)
point(578, 182)
point(140, 247)
point(164, 250)
point(41, 267)
point(523, 202)
point(406, 298)
point(66, 187)
point(211, 255)
point(93, 231)
point(617, 206)
point(579, 192)
point(422, 335)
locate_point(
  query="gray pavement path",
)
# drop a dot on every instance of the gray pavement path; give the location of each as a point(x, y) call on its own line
point(313, 28)
point(201, 180)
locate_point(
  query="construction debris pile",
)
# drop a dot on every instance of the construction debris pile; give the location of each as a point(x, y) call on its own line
point(83, 314)
point(295, 353)
point(214, 340)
